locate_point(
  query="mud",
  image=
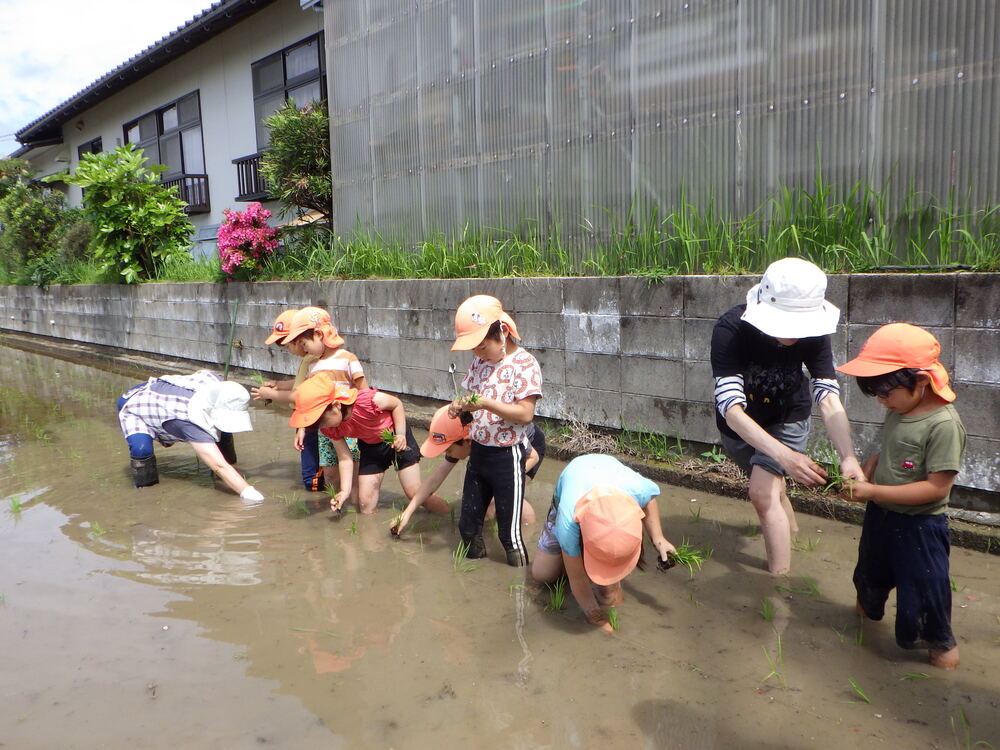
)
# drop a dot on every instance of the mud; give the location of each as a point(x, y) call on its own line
point(175, 617)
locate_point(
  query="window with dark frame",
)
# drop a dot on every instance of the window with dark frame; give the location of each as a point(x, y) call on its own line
point(296, 72)
point(94, 146)
point(171, 135)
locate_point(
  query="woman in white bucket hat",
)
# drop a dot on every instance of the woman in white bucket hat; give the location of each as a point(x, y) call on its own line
point(763, 399)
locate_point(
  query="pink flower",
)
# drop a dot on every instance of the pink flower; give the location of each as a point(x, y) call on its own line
point(245, 238)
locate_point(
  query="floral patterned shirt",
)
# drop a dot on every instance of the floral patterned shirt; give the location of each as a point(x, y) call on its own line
point(515, 377)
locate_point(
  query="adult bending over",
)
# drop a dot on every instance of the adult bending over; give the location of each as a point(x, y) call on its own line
point(763, 400)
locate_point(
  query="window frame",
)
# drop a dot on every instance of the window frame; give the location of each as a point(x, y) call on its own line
point(317, 74)
point(175, 130)
point(93, 146)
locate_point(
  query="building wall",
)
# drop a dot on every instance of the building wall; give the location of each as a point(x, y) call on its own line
point(617, 352)
point(555, 115)
point(220, 70)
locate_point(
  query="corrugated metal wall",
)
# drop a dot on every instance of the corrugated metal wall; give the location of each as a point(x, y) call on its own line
point(502, 113)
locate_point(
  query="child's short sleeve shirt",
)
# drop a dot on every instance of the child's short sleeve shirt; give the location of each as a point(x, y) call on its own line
point(583, 474)
point(342, 366)
point(913, 447)
point(513, 378)
point(366, 422)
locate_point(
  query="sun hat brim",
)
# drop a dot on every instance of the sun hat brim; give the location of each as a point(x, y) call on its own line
point(820, 320)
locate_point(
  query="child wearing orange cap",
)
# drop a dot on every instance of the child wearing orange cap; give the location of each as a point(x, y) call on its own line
point(905, 540)
point(502, 384)
point(339, 411)
point(310, 334)
point(593, 532)
point(450, 436)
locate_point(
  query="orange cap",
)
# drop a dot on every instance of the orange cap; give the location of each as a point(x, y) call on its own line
point(897, 345)
point(309, 318)
point(474, 318)
point(443, 431)
point(282, 325)
point(317, 393)
point(611, 528)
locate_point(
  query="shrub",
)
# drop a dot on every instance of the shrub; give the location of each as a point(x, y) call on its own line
point(138, 223)
point(30, 217)
point(245, 241)
point(296, 167)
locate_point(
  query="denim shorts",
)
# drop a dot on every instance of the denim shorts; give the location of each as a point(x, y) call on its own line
point(793, 434)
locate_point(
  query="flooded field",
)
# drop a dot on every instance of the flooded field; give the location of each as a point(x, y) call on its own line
point(175, 617)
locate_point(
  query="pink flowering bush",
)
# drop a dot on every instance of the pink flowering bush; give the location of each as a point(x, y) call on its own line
point(245, 239)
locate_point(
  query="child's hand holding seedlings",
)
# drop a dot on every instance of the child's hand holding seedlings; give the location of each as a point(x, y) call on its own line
point(469, 401)
point(858, 492)
point(337, 501)
point(266, 392)
point(664, 548)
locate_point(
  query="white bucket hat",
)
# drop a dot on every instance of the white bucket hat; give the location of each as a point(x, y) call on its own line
point(221, 406)
point(789, 303)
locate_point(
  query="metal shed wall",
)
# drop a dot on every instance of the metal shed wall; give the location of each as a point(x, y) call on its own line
point(566, 115)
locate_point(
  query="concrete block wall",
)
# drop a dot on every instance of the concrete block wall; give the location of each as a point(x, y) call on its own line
point(615, 352)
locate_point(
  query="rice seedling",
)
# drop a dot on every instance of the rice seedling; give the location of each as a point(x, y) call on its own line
point(353, 528)
point(809, 544)
point(841, 634)
point(451, 512)
point(859, 636)
point(97, 530)
point(494, 526)
point(388, 436)
point(15, 504)
point(3, 600)
point(460, 560)
point(859, 692)
point(692, 597)
point(557, 595)
point(296, 507)
point(695, 513)
point(689, 556)
point(776, 663)
point(961, 730)
point(915, 676)
point(613, 618)
point(751, 530)
point(420, 538)
point(809, 587)
point(515, 585)
point(766, 609)
point(258, 378)
point(954, 583)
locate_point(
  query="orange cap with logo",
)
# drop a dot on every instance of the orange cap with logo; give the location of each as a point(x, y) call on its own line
point(282, 325)
point(315, 394)
point(474, 318)
point(443, 431)
point(899, 345)
point(611, 529)
point(309, 318)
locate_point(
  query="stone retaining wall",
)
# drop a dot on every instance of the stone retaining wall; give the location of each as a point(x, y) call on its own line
point(614, 351)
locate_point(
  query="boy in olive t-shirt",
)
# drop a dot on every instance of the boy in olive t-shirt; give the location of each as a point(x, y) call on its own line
point(905, 540)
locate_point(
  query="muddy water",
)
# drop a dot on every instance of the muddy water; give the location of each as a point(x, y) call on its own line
point(174, 617)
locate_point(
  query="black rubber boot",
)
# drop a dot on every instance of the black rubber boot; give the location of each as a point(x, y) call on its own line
point(144, 472)
point(477, 547)
point(228, 447)
point(517, 559)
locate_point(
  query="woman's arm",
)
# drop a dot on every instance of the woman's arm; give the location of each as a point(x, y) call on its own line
point(211, 456)
point(839, 430)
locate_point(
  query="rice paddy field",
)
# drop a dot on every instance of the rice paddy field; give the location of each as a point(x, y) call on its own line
point(176, 617)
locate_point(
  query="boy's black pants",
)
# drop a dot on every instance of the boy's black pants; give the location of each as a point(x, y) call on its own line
point(910, 554)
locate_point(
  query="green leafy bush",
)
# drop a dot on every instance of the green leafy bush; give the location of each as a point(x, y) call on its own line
point(296, 167)
point(138, 223)
point(30, 221)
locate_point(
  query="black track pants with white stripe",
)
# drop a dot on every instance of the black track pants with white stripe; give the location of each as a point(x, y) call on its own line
point(497, 474)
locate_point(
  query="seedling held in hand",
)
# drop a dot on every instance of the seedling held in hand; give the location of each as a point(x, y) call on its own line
point(388, 436)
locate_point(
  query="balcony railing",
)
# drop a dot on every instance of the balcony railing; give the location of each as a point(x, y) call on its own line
point(250, 184)
point(193, 190)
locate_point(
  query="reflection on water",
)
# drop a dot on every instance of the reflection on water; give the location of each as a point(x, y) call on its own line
point(198, 622)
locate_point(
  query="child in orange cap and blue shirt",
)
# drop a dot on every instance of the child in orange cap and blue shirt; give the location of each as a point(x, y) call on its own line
point(502, 384)
point(593, 532)
point(905, 539)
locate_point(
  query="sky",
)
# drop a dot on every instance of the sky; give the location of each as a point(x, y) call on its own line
point(50, 49)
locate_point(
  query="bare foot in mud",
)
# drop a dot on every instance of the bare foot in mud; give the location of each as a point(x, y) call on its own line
point(609, 596)
point(944, 659)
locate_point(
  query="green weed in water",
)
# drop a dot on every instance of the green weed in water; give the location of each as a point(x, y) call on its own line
point(613, 618)
point(695, 513)
point(460, 559)
point(15, 504)
point(915, 676)
point(353, 528)
point(776, 662)
point(766, 609)
point(97, 530)
point(557, 595)
point(962, 732)
point(858, 691)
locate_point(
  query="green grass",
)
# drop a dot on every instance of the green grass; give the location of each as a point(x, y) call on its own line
point(695, 514)
point(715, 455)
point(15, 504)
point(809, 544)
point(689, 556)
point(776, 662)
point(643, 442)
point(962, 732)
point(613, 618)
point(353, 528)
point(460, 561)
point(557, 595)
point(809, 587)
point(766, 609)
point(863, 698)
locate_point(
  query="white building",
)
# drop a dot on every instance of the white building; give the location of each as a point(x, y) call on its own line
point(194, 102)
